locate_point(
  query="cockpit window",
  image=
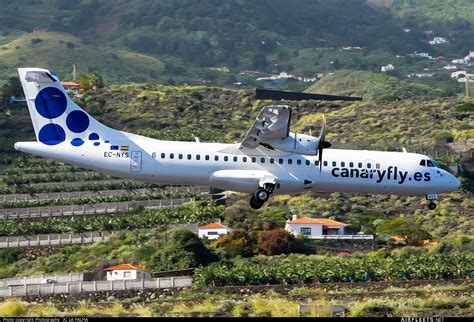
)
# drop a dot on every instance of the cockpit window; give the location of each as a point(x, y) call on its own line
point(435, 164)
point(430, 163)
point(422, 162)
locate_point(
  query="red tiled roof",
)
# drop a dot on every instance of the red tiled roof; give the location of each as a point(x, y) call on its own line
point(213, 225)
point(326, 222)
point(122, 267)
point(69, 84)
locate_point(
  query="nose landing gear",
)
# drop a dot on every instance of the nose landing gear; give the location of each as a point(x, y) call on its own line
point(431, 197)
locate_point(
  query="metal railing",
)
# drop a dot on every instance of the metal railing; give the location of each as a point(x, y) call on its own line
point(94, 286)
point(89, 209)
point(343, 237)
point(54, 239)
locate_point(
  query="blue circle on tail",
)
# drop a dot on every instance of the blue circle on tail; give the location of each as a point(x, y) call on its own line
point(51, 134)
point(50, 102)
point(77, 121)
point(77, 142)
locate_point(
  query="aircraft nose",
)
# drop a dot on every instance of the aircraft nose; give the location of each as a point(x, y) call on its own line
point(454, 182)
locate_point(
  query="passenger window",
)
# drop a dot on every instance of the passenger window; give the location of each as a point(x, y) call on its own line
point(235, 159)
point(254, 159)
point(153, 155)
point(377, 165)
point(343, 164)
point(244, 159)
point(198, 157)
point(180, 156)
point(207, 158)
point(216, 158)
point(325, 163)
point(163, 155)
point(280, 161)
point(189, 156)
point(316, 163)
point(351, 164)
point(360, 164)
point(369, 165)
point(262, 160)
point(226, 158)
point(334, 163)
point(272, 160)
point(171, 155)
point(290, 161)
point(298, 162)
point(307, 162)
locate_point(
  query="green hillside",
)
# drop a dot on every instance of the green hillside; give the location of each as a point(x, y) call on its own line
point(59, 51)
point(372, 86)
point(304, 37)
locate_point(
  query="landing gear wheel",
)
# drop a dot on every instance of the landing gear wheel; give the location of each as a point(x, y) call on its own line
point(261, 195)
point(431, 206)
point(255, 204)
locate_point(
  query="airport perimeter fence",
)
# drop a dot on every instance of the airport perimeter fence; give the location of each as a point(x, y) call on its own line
point(90, 209)
point(95, 286)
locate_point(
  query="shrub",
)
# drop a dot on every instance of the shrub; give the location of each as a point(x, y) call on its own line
point(237, 243)
point(35, 41)
point(278, 241)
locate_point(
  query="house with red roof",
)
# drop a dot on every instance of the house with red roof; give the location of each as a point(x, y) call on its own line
point(71, 86)
point(315, 228)
point(213, 230)
point(126, 272)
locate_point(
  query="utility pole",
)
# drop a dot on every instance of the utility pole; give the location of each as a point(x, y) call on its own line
point(467, 79)
point(73, 72)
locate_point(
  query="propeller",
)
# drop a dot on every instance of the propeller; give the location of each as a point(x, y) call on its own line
point(323, 144)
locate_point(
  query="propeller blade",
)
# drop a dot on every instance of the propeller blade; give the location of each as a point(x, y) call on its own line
point(268, 94)
point(323, 144)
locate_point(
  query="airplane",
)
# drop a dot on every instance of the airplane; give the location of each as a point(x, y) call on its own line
point(269, 160)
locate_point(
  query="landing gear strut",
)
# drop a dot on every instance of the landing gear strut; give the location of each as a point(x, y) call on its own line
point(261, 195)
point(431, 197)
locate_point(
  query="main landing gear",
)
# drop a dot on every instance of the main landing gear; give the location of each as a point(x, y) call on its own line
point(431, 197)
point(261, 195)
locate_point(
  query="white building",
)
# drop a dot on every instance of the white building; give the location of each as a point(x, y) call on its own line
point(458, 74)
point(438, 41)
point(314, 228)
point(448, 67)
point(386, 68)
point(213, 231)
point(126, 272)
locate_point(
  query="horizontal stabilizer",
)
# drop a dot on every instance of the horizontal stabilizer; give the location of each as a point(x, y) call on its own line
point(267, 94)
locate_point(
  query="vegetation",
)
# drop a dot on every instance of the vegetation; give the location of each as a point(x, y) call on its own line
point(297, 270)
point(193, 212)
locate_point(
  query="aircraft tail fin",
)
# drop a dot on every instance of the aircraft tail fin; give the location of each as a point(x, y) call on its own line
point(55, 116)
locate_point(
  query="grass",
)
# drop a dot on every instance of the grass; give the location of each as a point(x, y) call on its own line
point(55, 52)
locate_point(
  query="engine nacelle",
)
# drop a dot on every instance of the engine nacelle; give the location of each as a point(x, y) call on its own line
point(295, 143)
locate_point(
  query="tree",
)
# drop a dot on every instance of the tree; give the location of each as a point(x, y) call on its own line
point(96, 81)
point(184, 250)
point(405, 227)
point(278, 241)
point(237, 243)
point(11, 88)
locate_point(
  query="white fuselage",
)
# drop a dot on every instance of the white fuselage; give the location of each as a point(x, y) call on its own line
point(229, 167)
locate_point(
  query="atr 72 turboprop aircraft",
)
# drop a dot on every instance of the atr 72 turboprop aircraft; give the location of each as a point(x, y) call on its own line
point(269, 160)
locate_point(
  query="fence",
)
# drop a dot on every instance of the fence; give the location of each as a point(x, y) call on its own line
point(72, 238)
point(89, 209)
point(54, 239)
point(94, 286)
point(344, 237)
point(99, 193)
point(41, 279)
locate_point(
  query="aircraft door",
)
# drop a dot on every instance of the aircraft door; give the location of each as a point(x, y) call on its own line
point(136, 161)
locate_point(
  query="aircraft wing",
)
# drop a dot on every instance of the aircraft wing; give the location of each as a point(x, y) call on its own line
point(273, 122)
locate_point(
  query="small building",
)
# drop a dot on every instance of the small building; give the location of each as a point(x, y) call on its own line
point(71, 86)
point(126, 272)
point(386, 68)
point(450, 66)
point(314, 227)
point(438, 41)
point(458, 74)
point(213, 231)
